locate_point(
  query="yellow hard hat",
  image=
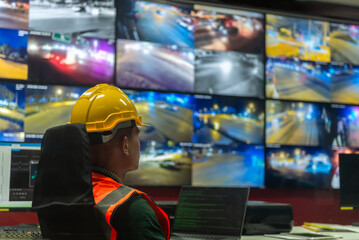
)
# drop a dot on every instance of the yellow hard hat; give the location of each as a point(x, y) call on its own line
point(102, 107)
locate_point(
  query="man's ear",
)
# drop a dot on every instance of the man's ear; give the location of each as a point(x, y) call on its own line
point(125, 146)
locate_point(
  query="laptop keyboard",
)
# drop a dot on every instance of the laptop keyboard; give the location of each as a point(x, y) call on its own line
point(196, 236)
point(22, 231)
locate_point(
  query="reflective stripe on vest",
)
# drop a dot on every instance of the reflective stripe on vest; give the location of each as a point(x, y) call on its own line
point(117, 195)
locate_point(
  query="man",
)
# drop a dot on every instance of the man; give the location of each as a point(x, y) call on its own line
point(111, 117)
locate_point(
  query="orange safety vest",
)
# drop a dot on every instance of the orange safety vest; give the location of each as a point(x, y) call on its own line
point(109, 194)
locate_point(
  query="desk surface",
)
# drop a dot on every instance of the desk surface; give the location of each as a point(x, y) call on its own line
point(344, 235)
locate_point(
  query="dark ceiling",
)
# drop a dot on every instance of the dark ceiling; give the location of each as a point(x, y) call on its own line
point(334, 9)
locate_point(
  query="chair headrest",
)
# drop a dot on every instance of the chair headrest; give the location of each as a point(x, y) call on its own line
point(64, 174)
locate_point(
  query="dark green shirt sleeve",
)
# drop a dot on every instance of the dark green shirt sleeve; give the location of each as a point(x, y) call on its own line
point(136, 220)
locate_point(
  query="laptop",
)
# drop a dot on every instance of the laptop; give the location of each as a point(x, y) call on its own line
point(210, 213)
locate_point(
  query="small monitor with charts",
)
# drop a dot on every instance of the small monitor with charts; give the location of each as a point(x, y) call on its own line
point(217, 212)
point(18, 169)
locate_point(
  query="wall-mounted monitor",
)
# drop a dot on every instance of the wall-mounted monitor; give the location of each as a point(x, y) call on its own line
point(80, 18)
point(226, 120)
point(297, 123)
point(344, 126)
point(169, 114)
point(298, 167)
point(335, 182)
point(18, 167)
point(14, 14)
point(228, 165)
point(228, 73)
point(13, 54)
point(162, 164)
point(297, 38)
point(227, 29)
point(12, 112)
point(345, 83)
point(343, 43)
point(48, 106)
point(297, 80)
point(168, 24)
point(65, 59)
point(154, 66)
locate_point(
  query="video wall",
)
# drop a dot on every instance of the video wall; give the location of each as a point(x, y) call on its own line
point(234, 98)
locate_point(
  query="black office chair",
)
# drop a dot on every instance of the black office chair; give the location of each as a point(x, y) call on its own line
point(63, 196)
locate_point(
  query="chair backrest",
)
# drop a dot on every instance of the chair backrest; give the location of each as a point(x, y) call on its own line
point(63, 196)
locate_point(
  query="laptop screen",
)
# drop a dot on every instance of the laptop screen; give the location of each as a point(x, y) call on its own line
point(211, 210)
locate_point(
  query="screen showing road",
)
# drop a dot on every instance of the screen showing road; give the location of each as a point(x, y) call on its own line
point(61, 58)
point(226, 120)
point(226, 29)
point(48, 106)
point(297, 37)
point(345, 83)
point(156, 22)
point(154, 66)
point(80, 17)
point(343, 43)
point(14, 14)
point(162, 164)
point(298, 167)
point(228, 165)
point(13, 54)
point(228, 73)
point(169, 114)
point(297, 80)
point(344, 126)
point(297, 123)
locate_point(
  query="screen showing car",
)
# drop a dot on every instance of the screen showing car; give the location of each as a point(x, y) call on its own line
point(298, 167)
point(162, 164)
point(61, 58)
point(156, 22)
point(227, 29)
point(297, 38)
point(343, 43)
point(228, 73)
point(227, 120)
